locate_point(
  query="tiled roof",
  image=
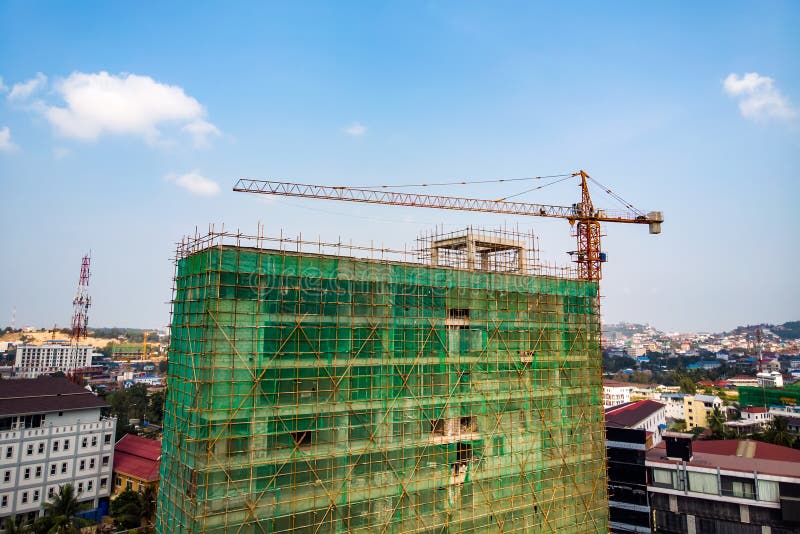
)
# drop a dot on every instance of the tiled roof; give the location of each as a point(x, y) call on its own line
point(738, 455)
point(44, 394)
point(755, 409)
point(137, 457)
point(629, 414)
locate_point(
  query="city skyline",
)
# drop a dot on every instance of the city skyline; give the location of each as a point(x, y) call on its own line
point(123, 148)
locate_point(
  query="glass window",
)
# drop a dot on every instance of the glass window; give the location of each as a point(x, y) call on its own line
point(6, 476)
point(66, 444)
point(27, 474)
point(768, 491)
point(703, 482)
point(4, 501)
point(664, 478)
point(24, 497)
point(55, 446)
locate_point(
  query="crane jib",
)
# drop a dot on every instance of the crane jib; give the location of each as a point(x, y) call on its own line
point(371, 196)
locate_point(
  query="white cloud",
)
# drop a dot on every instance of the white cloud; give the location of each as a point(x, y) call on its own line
point(124, 104)
point(758, 98)
point(201, 131)
point(61, 152)
point(23, 91)
point(356, 129)
point(5, 141)
point(195, 183)
point(3, 87)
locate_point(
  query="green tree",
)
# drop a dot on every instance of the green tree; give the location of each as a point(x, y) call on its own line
point(128, 509)
point(778, 432)
point(679, 425)
point(149, 500)
point(716, 422)
point(687, 385)
point(128, 404)
point(155, 408)
point(16, 526)
point(62, 509)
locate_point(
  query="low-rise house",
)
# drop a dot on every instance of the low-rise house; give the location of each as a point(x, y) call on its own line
point(136, 463)
point(743, 380)
point(647, 415)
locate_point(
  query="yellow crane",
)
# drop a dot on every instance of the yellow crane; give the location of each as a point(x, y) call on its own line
point(583, 216)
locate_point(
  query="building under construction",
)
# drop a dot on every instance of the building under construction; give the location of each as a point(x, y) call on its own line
point(329, 388)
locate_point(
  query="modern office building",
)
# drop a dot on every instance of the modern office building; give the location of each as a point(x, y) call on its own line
point(629, 508)
point(51, 434)
point(35, 360)
point(725, 486)
point(455, 391)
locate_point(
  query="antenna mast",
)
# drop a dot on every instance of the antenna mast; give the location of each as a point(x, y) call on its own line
point(80, 311)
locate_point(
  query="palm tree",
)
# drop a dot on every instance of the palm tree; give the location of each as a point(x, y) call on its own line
point(15, 526)
point(63, 508)
point(716, 421)
point(778, 432)
point(149, 498)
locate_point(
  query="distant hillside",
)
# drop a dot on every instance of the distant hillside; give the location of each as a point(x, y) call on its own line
point(790, 330)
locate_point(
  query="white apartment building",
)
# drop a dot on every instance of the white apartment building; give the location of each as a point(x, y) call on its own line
point(770, 379)
point(615, 393)
point(35, 360)
point(51, 434)
point(647, 415)
point(673, 406)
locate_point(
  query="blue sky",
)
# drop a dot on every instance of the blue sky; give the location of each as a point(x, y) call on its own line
point(123, 126)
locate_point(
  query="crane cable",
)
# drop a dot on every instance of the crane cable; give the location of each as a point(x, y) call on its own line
point(462, 182)
point(617, 197)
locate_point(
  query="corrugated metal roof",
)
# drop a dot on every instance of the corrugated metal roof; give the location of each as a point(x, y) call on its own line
point(44, 394)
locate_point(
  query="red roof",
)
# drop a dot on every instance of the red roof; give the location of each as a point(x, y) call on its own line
point(137, 457)
point(738, 455)
point(629, 414)
point(755, 409)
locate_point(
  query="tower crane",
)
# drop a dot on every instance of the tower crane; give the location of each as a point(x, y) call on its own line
point(582, 216)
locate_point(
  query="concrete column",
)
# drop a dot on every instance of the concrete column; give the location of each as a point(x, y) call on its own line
point(691, 528)
point(470, 252)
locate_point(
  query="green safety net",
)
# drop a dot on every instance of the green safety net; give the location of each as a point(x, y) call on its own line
point(311, 393)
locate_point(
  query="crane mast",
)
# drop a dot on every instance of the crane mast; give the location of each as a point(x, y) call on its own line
point(582, 216)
